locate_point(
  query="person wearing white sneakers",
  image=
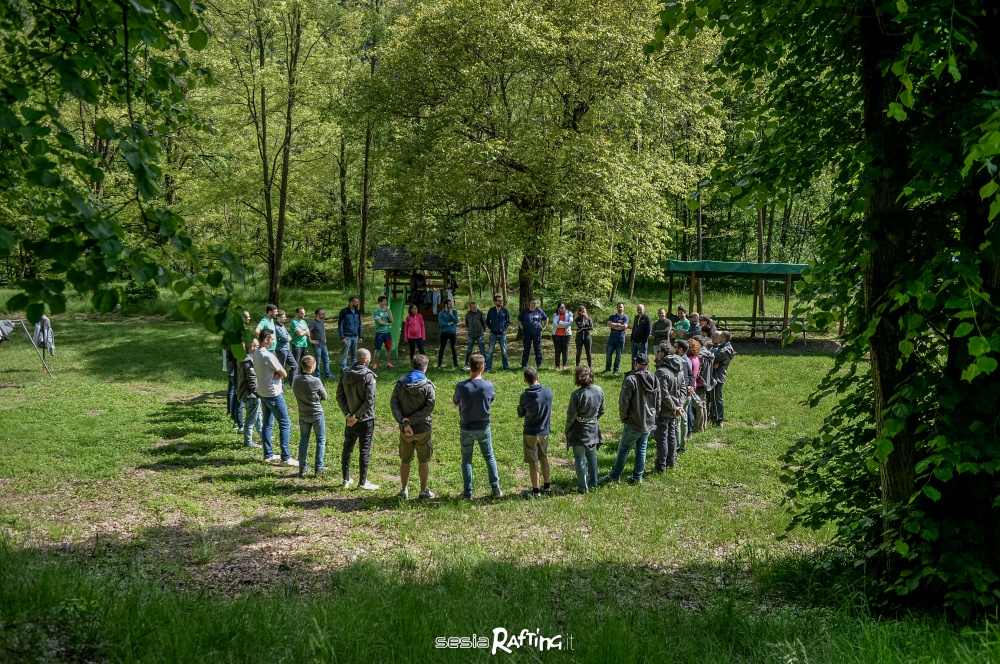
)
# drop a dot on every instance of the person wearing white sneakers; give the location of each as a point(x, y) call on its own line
point(270, 377)
point(356, 398)
point(412, 406)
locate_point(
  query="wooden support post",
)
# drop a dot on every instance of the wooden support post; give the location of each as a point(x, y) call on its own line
point(691, 293)
point(753, 320)
point(788, 296)
point(670, 294)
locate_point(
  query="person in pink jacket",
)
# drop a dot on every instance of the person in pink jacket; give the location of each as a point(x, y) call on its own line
point(413, 332)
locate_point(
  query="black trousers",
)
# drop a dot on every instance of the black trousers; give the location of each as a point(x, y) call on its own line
point(298, 353)
point(562, 349)
point(665, 435)
point(363, 433)
point(448, 338)
point(415, 345)
point(529, 341)
point(716, 404)
point(584, 342)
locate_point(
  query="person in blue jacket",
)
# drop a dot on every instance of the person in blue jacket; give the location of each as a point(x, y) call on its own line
point(349, 330)
point(447, 333)
point(618, 324)
point(497, 321)
point(533, 323)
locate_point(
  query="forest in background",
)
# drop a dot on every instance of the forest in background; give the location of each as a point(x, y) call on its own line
point(533, 143)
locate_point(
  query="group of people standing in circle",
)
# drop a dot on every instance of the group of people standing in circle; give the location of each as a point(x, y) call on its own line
point(678, 398)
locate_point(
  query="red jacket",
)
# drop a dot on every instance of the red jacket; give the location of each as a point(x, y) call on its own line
point(413, 328)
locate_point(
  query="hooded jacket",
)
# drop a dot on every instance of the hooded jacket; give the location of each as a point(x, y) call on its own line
point(687, 371)
point(356, 392)
point(723, 356)
point(413, 401)
point(639, 400)
point(586, 405)
point(705, 371)
point(673, 389)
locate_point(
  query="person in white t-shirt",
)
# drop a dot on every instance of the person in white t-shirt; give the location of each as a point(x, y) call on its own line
point(270, 377)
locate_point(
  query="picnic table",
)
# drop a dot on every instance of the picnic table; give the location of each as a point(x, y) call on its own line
point(775, 325)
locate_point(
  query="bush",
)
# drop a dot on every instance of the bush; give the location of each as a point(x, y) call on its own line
point(309, 274)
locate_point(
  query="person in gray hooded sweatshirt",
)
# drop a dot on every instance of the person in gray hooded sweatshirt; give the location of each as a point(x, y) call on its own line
point(412, 404)
point(356, 398)
point(583, 430)
point(637, 407)
point(723, 353)
point(673, 392)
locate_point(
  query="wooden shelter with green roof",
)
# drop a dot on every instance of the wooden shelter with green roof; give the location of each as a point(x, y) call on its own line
point(758, 272)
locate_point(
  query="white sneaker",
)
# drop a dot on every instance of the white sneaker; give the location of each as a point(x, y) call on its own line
point(272, 459)
point(404, 493)
point(368, 486)
point(348, 483)
point(427, 494)
point(291, 462)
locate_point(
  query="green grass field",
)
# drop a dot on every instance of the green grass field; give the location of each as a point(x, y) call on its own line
point(136, 527)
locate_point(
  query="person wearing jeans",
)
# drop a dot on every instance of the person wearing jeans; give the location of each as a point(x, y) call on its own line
point(618, 324)
point(723, 354)
point(349, 329)
point(670, 376)
point(246, 394)
point(637, 406)
point(270, 376)
point(356, 398)
point(317, 331)
point(497, 321)
point(310, 394)
point(583, 431)
point(474, 397)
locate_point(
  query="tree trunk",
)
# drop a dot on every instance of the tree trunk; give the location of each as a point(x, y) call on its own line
point(631, 275)
point(759, 283)
point(365, 208)
point(293, 47)
point(786, 217)
point(347, 266)
point(887, 234)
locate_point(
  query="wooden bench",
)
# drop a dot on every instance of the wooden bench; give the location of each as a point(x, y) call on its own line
point(762, 325)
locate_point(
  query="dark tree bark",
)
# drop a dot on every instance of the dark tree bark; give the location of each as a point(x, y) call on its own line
point(887, 233)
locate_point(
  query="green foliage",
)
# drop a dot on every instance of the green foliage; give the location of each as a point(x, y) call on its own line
point(931, 433)
point(125, 65)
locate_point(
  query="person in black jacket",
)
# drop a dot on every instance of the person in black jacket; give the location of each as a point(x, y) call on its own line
point(642, 327)
point(246, 393)
point(356, 398)
point(584, 326)
point(536, 409)
point(637, 408)
point(723, 354)
point(412, 405)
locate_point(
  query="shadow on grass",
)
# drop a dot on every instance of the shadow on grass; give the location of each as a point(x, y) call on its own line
point(152, 352)
point(243, 581)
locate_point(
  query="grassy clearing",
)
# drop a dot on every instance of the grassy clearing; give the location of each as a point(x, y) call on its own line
point(121, 479)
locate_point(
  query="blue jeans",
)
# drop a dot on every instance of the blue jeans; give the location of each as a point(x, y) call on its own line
point(470, 345)
point(615, 347)
point(485, 440)
point(631, 438)
point(275, 407)
point(322, 361)
point(350, 352)
point(305, 428)
point(251, 418)
point(494, 340)
point(585, 460)
point(637, 348)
